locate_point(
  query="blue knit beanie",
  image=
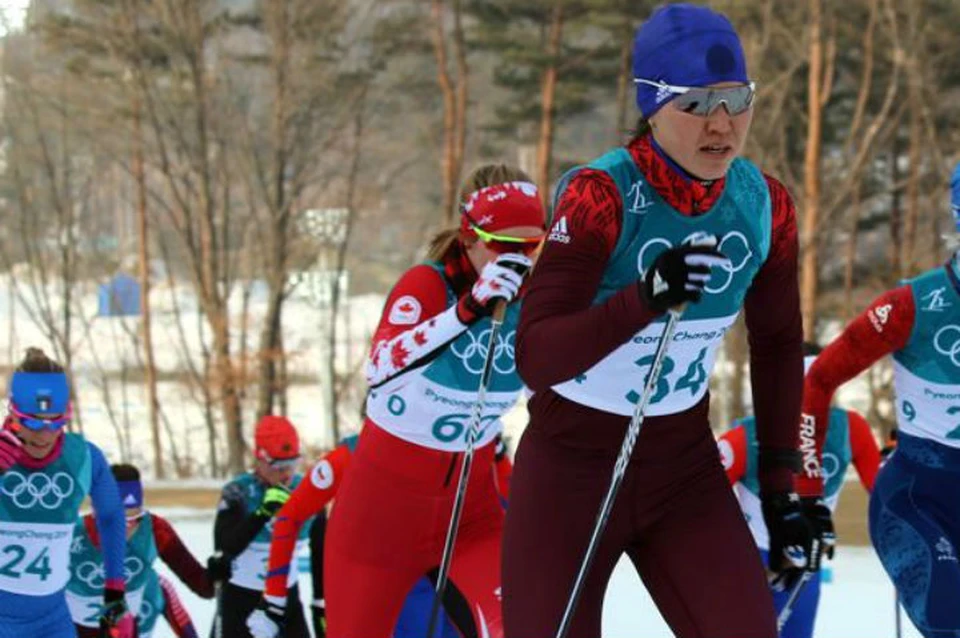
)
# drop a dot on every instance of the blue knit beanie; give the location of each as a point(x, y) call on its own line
point(685, 45)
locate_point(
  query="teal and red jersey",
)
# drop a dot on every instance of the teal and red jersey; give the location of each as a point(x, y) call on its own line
point(919, 324)
point(849, 440)
point(560, 312)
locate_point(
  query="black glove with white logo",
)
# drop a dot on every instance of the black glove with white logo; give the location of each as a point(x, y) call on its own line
point(679, 275)
point(821, 518)
point(794, 543)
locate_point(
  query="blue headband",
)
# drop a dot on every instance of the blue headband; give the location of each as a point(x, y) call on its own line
point(131, 493)
point(40, 399)
point(685, 45)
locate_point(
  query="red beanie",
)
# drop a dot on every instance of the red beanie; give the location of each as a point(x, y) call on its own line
point(275, 438)
point(502, 206)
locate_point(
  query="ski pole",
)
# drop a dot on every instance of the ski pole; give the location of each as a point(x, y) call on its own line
point(620, 468)
point(898, 619)
point(473, 432)
point(218, 597)
point(791, 600)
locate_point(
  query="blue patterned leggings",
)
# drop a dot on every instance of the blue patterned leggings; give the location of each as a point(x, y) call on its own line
point(915, 528)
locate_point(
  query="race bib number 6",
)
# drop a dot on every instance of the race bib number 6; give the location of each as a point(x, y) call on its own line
point(451, 427)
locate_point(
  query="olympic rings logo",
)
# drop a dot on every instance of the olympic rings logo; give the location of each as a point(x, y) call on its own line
point(474, 354)
point(91, 573)
point(49, 492)
point(93, 576)
point(830, 465)
point(734, 245)
point(949, 348)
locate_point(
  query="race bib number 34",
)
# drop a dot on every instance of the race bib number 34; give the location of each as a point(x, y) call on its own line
point(34, 557)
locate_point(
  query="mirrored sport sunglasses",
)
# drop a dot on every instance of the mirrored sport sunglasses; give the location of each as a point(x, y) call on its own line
point(41, 421)
point(502, 244)
point(284, 464)
point(704, 100)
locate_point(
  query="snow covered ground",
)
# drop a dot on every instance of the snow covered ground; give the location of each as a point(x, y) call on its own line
point(858, 603)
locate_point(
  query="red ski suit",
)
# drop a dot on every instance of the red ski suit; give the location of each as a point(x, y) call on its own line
point(393, 508)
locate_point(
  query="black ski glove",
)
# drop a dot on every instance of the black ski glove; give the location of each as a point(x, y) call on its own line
point(679, 275)
point(794, 546)
point(821, 518)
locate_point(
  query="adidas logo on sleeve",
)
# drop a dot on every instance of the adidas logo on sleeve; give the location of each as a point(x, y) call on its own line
point(559, 232)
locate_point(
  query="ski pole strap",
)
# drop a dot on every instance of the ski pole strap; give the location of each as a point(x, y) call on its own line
point(774, 459)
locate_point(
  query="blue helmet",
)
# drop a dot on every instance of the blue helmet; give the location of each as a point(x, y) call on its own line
point(40, 399)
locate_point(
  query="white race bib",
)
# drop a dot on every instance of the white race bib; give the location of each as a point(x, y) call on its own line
point(250, 567)
point(431, 415)
point(85, 610)
point(34, 557)
point(615, 383)
point(926, 409)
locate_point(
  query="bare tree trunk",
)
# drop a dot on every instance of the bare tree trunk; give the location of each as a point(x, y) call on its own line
point(67, 244)
point(851, 257)
point(209, 417)
point(227, 383)
point(811, 181)
point(936, 241)
point(283, 379)
point(145, 285)
point(213, 295)
point(180, 465)
point(915, 154)
point(125, 399)
point(454, 93)
point(463, 94)
point(896, 212)
point(199, 379)
point(271, 353)
point(624, 85)
point(246, 292)
point(335, 301)
point(548, 103)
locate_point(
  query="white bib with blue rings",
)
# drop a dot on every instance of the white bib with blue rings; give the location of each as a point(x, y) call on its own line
point(431, 405)
point(741, 220)
point(927, 370)
point(250, 566)
point(87, 573)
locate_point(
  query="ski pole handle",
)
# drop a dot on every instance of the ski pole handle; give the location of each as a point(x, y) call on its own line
point(500, 311)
